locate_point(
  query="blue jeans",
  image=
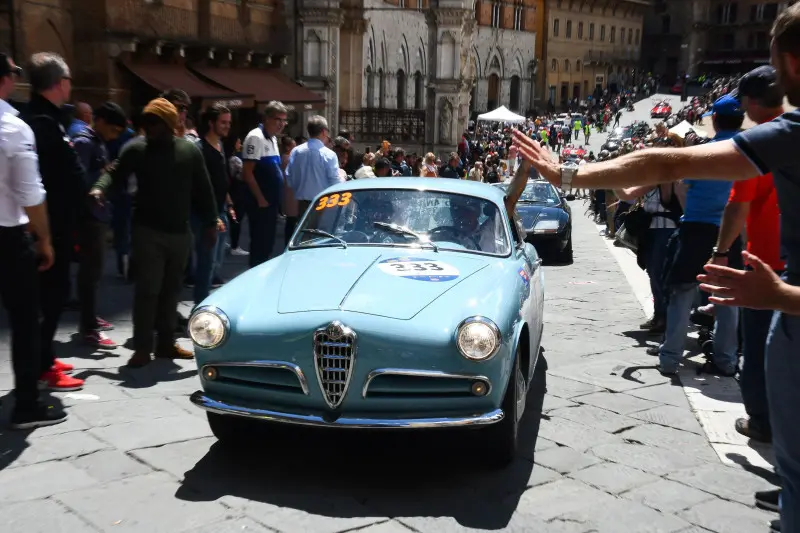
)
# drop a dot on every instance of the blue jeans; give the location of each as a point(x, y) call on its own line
point(121, 215)
point(755, 328)
point(656, 255)
point(681, 299)
point(206, 260)
point(783, 393)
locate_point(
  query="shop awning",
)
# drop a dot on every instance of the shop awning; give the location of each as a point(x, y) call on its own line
point(163, 77)
point(265, 84)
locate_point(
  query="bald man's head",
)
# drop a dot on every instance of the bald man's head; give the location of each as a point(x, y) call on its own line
point(83, 111)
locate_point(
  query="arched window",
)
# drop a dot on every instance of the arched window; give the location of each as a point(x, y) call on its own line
point(554, 65)
point(566, 65)
point(381, 89)
point(613, 34)
point(401, 89)
point(370, 87)
point(580, 30)
point(419, 90)
point(578, 65)
point(591, 31)
point(514, 93)
point(603, 32)
point(556, 24)
point(568, 32)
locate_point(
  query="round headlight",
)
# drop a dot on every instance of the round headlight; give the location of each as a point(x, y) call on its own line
point(208, 327)
point(478, 338)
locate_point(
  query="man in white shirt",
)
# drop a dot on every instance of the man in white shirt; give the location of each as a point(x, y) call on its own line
point(313, 167)
point(22, 209)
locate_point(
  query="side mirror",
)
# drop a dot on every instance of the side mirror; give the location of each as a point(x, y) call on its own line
point(569, 197)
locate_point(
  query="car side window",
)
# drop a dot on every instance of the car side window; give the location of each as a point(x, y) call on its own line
point(517, 228)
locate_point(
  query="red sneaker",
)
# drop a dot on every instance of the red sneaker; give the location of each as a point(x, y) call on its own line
point(61, 366)
point(103, 325)
point(98, 339)
point(59, 382)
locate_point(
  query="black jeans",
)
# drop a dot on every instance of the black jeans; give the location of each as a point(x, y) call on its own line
point(19, 285)
point(54, 285)
point(239, 197)
point(92, 238)
point(263, 221)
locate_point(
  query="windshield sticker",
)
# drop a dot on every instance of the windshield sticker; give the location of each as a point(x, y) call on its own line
point(334, 200)
point(419, 269)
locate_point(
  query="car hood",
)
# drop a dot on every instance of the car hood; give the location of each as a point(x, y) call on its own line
point(394, 283)
point(532, 213)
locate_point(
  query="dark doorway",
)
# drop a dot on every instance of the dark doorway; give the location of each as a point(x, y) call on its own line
point(494, 92)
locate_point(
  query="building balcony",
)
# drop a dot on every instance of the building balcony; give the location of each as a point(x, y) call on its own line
point(394, 125)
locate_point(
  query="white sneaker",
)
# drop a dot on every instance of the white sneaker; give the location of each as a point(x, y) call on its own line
point(239, 251)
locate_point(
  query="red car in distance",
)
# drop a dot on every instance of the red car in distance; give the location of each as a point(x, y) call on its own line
point(661, 110)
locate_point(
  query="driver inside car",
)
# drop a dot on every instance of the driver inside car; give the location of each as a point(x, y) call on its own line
point(473, 235)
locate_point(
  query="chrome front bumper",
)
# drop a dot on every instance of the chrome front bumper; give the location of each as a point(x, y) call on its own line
point(200, 399)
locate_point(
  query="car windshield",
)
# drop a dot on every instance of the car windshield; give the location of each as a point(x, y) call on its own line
point(404, 217)
point(538, 192)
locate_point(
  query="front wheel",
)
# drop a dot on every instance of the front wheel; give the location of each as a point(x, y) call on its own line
point(229, 430)
point(566, 255)
point(504, 436)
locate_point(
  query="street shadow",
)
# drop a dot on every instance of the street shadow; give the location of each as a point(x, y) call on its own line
point(642, 337)
point(356, 473)
point(14, 441)
point(158, 371)
point(764, 473)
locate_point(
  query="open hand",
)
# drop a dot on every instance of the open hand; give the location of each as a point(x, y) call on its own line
point(759, 288)
point(538, 156)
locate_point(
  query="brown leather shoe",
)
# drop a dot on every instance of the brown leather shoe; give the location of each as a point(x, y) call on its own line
point(139, 359)
point(174, 352)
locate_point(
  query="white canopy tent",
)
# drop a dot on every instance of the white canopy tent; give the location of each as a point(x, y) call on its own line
point(502, 114)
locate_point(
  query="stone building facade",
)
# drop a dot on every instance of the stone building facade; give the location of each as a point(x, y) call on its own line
point(410, 71)
point(592, 45)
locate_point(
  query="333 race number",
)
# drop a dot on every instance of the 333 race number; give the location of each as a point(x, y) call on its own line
point(419, 269)
point(334, 200)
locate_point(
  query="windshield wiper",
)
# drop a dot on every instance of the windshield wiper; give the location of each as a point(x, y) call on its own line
point(315, 231)
point(394, 228)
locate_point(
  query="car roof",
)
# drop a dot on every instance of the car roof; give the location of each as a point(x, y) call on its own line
point(446, 185)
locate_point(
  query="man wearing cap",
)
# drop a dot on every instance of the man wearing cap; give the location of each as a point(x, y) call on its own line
point(90, 143)
point(754, 202)
point(690, 247)
point(172, 183)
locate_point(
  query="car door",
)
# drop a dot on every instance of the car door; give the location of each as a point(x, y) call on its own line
point(531, 271)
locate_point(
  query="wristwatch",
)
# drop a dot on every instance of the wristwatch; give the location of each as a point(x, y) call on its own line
point(568, 171)
point(715, 252)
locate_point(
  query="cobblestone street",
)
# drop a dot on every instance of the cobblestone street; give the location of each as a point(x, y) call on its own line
point(612, 446)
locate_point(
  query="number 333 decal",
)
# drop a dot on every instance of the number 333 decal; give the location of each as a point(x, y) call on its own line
point(419, 269)
point(334, 200)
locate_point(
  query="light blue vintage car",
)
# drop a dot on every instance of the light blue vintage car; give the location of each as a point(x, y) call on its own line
point(399, 303)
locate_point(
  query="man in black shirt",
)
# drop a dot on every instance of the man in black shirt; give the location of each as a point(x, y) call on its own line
point(218, 124)
point(65, 182)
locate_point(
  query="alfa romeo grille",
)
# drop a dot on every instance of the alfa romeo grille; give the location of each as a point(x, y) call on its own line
point(334, 355)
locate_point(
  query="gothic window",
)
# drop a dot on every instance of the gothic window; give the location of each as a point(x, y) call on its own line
point(419, 90)
point(555, 27)
point(519, 18)
point(401, 3)
point(370, 87)
point(591, 31)
point(568, 32)
point(313, 55)
point(580, 30)
point(514, 96)
point(401, 89)
point(496, 15)
point(419, 4)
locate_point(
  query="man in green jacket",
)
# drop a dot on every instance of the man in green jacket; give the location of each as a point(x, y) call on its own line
point(172, 181)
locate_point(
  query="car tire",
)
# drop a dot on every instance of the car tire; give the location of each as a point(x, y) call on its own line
point(229, 430)
point(566, 255)
point(504, 436)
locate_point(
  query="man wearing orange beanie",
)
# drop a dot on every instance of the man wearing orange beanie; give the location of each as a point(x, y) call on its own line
point(172, 182)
